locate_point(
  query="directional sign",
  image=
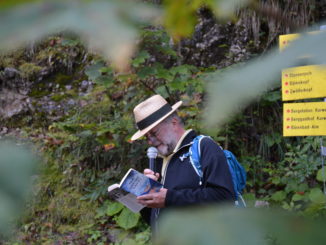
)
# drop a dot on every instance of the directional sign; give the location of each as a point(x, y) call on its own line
point(304, 82)
point(304, 119)
point(285, 40)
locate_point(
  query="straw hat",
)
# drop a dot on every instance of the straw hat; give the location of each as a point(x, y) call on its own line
point(150, 113)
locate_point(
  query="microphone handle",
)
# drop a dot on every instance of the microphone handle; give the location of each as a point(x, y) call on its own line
point(152, 164)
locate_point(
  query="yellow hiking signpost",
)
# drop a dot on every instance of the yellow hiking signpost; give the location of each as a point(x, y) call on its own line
point(285, 40)
point(304, 82)
point(304, 119)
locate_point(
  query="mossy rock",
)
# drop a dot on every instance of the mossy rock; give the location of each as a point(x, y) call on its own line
point(59, 97)
point(63, 79)
point(6, 61)
point(39, 91)
point(29, 70)
point(12, 59)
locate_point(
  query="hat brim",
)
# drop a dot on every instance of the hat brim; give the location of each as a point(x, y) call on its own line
point(141, 133)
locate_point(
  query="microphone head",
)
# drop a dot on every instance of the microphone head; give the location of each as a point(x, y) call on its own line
point(152, 152)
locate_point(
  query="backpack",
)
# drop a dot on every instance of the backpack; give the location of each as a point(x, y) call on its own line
point(238, 173)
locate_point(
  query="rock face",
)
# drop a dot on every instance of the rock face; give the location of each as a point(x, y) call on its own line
point(30, 83)
point(216, 44)
point(13, 99)
point(222, 44)
point(13, 103)
point(10, 73)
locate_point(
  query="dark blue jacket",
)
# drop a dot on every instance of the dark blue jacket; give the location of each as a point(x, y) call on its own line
point(182, 181)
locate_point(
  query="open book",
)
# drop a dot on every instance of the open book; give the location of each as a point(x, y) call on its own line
point(133, 184)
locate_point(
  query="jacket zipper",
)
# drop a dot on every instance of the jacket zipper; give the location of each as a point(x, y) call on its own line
point(167, 164)
point(157, 211)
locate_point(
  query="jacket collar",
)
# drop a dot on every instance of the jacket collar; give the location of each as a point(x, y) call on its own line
point(187, 140)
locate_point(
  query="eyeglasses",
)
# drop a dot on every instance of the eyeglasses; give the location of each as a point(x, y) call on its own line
point(154, 134)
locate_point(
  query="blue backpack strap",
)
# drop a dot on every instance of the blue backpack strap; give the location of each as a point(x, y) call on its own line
point(237, 171)
point(238, 175)
point(194, 152)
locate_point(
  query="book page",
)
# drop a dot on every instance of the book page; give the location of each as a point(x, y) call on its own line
point(127, 199)
point(111, 187)
point(130, 201)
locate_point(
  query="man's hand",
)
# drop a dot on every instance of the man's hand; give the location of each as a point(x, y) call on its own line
point(154, 200)
point(150, 174)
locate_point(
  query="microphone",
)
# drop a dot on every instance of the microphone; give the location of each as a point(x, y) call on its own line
point(152, 154)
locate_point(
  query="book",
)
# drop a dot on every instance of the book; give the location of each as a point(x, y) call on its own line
point(132, 185)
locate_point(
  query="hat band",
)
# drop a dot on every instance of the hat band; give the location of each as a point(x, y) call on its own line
point(152, 118)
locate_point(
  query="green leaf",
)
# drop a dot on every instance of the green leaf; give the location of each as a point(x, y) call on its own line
point(114, 208)
point(321, 174)
point(143, 237)
point(177, 85)
point(105, 80)
point(317, 196)
point(303, 187)
point(183, 69)
point(269, 140)
point(146, 71)
point(93, 71)
point(276, 180)
point(162, 91)
point(165, 74)
point(140, 59)
point(278, 196)
point(128, 219)
point(297, 197)
point(100, 212)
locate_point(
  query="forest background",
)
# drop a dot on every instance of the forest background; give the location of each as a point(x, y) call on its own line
point(71, 93)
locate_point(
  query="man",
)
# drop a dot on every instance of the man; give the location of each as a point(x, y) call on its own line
point(163, 129)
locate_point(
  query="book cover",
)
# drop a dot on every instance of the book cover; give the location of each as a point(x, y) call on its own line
point(139, 184)
point(132, 185)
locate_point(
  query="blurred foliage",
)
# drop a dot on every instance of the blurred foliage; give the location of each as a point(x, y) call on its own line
point(102, 22)
point(227, 225)
point(98, 23)
point(7, 4)
point(17, 166)
point(88, 148)
point(181, 16)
